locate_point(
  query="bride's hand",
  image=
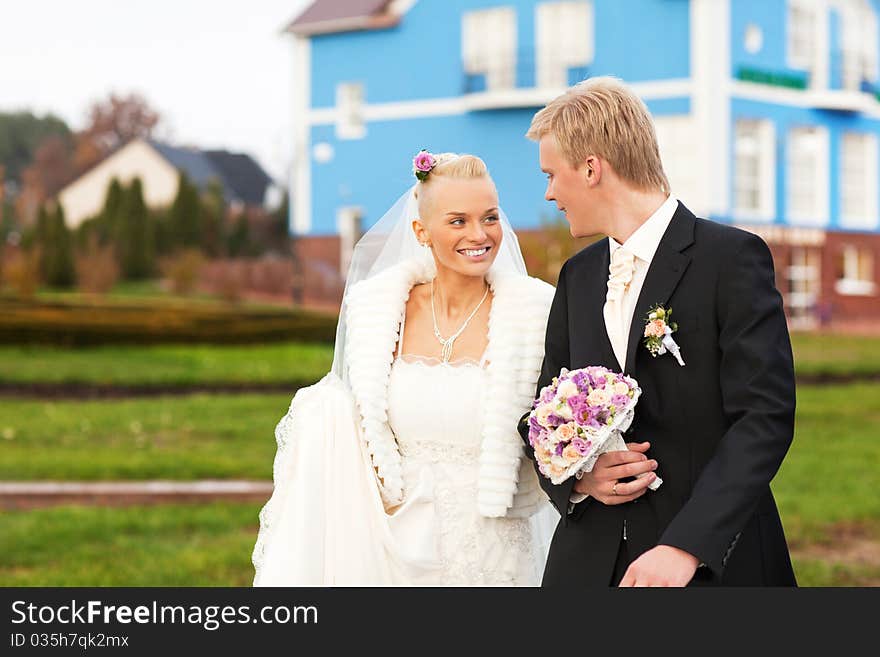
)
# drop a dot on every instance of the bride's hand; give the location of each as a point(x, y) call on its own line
point(603, 482)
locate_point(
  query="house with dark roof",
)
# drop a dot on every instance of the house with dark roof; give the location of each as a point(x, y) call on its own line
point(158, 165)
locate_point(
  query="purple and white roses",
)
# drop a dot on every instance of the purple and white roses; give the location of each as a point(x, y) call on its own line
point(579, 416)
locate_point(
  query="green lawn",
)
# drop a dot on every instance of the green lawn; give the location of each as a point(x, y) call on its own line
point(175, 545)
point(166, 364)
point(170, 365)
point(832, 472)
point(189, 437)
point(828, 482)
point(821, 353)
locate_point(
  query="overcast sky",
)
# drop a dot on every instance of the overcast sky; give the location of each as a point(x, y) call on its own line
point(218, 71)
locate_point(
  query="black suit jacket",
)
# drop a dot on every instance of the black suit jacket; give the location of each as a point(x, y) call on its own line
point(719, 427)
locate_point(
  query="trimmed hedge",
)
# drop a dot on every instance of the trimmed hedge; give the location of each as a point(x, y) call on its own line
point(72, 324)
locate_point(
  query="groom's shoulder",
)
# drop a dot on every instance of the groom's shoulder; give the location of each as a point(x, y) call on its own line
point(718, 237)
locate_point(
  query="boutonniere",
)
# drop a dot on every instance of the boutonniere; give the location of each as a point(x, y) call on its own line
point(659, 328)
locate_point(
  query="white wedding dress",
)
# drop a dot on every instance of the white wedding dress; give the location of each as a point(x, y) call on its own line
point(435, 410)
point(407, 472)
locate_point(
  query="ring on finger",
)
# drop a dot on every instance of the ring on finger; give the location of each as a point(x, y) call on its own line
point(614, 488)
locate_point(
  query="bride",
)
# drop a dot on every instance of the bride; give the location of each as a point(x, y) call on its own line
point(403, 465)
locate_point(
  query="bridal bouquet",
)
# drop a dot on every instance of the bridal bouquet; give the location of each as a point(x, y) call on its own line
point(579, 416)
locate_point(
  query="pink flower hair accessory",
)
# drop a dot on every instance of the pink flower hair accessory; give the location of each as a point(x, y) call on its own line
point(423, 162)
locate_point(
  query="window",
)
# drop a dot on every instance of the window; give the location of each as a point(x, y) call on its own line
point(859, 48)
point(807, 179)
point(858, 180)
point(489, 47)
point(755, 169)
point(564, 41)
point(855, 271)
point(804, 281)
point(677, 139)
point(802, 31)
point(350, 110)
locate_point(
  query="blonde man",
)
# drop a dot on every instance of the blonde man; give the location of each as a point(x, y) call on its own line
point(718, 400)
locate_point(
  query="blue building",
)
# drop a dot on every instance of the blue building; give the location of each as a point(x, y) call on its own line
point(767, 114)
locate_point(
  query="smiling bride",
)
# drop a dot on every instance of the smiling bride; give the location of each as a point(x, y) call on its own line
point(403, 465)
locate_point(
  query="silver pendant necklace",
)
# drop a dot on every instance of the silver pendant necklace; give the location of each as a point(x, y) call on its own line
point(447, 343)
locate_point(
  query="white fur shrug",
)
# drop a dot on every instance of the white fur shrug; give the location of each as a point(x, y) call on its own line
point(517, 323)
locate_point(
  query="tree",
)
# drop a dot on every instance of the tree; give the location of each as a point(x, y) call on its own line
point(20, 135)
point(60, 271)
point(112, 213)
point(112, 123)
point(134, 235)
point(51, 239)
point(103, 226)
point(238, 243)
point(52, 163)
point(38, 234)
point(184, 219)
point(121, 118)
point(49, 171)
point(213, 211)
point(281, 220)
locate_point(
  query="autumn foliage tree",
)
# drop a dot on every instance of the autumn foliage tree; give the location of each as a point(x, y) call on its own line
point(112, 123)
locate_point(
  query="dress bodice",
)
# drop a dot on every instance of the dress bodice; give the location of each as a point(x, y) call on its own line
point(436, 412)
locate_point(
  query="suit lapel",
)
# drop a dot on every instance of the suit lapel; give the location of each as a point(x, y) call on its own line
point(664, 274)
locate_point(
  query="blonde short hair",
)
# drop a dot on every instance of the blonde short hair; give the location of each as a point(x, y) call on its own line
point(602, 116)
point(451, 165)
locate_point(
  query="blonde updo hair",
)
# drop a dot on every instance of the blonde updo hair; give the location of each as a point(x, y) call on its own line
point(450, 165)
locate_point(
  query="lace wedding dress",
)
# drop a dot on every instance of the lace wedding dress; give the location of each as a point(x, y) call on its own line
point(435, 410)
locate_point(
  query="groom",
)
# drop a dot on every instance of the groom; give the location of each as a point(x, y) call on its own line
point(719, 422)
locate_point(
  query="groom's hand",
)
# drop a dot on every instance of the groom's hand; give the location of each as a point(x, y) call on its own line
point(663, 565)
point(603, 482)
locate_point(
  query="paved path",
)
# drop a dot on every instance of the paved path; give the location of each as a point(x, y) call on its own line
point(32, 494)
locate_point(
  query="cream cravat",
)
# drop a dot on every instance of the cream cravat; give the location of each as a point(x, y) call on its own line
point(620, 276)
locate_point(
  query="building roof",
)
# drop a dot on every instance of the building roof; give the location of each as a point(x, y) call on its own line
point(326, 16)
point(198, 168)
point(241, 177)
point(244, 178)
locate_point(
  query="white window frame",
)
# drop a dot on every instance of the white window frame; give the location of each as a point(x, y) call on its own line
point(859, 44)
point(807, 46)
point(858, 180)
point(804, 284)
point(871, 41)
point(489, 46)
point(755, 140)
point(350, 120)
point(564, 38)
point(807, 176)
point(853, 282)
point(677, 139)
point(801, 45)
